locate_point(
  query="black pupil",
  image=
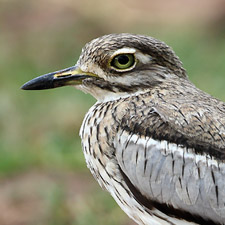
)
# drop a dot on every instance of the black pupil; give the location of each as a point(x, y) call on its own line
point(123, 59)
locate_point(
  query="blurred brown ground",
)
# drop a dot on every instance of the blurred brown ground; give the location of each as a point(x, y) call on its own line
point(48, 34)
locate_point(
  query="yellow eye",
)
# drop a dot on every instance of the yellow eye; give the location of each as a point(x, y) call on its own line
point(123, 61)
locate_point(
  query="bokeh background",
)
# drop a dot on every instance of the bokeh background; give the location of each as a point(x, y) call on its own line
point(43, 175)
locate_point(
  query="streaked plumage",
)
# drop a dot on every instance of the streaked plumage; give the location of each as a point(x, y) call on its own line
point(153, 140)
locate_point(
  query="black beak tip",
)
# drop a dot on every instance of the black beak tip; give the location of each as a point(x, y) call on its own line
point(31, 86)
point(39, 83)
point(25, 87)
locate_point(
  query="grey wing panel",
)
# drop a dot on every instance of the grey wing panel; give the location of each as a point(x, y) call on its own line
point(146, 167)
point(169, 174)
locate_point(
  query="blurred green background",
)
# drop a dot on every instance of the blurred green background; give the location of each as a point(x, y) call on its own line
point(43, 175)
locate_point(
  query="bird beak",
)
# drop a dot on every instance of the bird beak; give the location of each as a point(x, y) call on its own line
point(69, 76)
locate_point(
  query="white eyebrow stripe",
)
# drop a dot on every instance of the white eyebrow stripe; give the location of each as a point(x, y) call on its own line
point(124, 51)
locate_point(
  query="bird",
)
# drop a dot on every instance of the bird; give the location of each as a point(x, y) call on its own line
point(153, 140)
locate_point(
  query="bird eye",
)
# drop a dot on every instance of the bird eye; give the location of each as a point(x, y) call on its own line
point(123, 61)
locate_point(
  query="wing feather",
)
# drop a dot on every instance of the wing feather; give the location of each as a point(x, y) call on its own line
point(174, 154)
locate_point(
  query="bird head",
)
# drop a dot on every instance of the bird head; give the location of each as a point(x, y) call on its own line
point(116, 65)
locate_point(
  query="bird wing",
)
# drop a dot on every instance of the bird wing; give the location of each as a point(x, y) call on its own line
point(172, 154)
